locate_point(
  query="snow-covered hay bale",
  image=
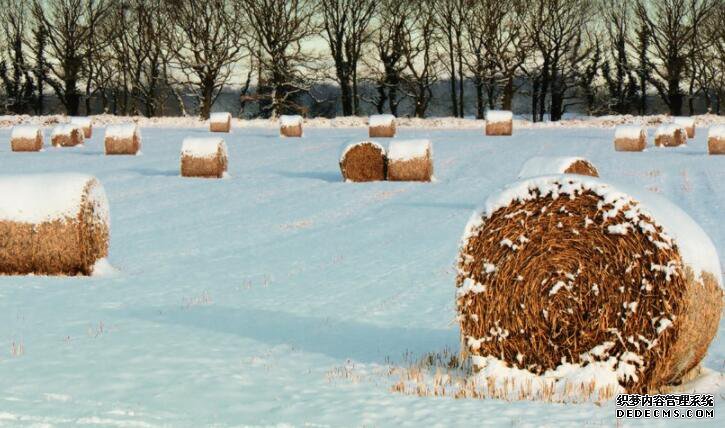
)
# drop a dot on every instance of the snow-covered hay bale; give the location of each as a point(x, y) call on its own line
point(55, 224)
point(220, 122)
point(381, 126)
point(499, 122)
point(543, 165)
point(290, 126)
point(203, 157)
point(67, 135)
point(410, 160)
point(630, 138)
point(670, 135)
point(85, 123)
point(26, 138)
point(363, 161)
point(123, 139)
point(686, 122)
point(570, 280)
point(716, 140)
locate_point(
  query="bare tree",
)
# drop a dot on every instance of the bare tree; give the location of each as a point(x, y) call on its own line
point(346, 25)
point(15, 72)
point(709, 63)
point(617, 70)
point(672, 26)
point(206, 40)
point(452, 16)
point(419, 44)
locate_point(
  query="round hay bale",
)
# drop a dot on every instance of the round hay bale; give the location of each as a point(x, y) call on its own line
point(85, 123)
point(26, 139)
point(670, 135)
point(203, 157)
point(630, 138)
point(410, 160)
point(290, 126)
point(220, 122)
point(716, 140)
point(122, 139)
point(537, 166)
point(686, 122)
point(381, 126)
point(67, 135)
point(499, 122)
point(363, 161)
point(561, 273)
point(54, 224)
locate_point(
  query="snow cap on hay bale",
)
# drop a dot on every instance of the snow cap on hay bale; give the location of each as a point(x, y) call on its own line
point(630, 138)
point(670, 135)
point(220, 122)
point(85, 123)
point(123, 139)
point(203, 157)
point(686, 122)
point(544, 165)
point(410, 160)
point(566, 275)
point(52, 224)
point(67, 135)
point(716, 140)
point(26, 138)
point(381, 126)
point(363, 161)
point(290, 126)
point(499, 122)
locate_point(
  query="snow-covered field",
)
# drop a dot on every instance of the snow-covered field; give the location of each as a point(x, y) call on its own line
point(282, 295)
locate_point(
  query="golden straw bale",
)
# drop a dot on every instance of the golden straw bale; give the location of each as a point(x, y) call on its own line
point(52, 224)
point(686, 122)
point(290, 126)
point(123, 139)
point(630, 138)
point(499, 122)
point(67, 135)
point(548, 165)
point(381, 126)
point(569, 269)
point(670, 135)
point(220, 122)
point(26, 139)
point(716, 140)
point(410, 161)
point(85, 123)
point(363, 161)
point(203, 157)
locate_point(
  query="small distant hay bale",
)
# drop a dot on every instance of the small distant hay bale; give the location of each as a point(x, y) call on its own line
point(26, 138)
point(123, 139)
point(220, 122)
point(203, 157)
point(568, 269)
point(670, 135)
point(716, 140)
point(686, 122)
point(381, 126)
point(539, 166)
point(290, 126)
point(55, 224)
point(410, 160)
point(86, 124)
point(68, 135)
point(363, 161)
point(499, 122)
point(630, 138)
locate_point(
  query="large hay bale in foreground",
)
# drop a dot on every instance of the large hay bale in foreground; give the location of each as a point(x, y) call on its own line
point(410, 160)
point(290, 126)
point(499, 122)
point(545, 165)
point(670, 135)
point(578, 279)
point(716, 140)
point(123, 139)
point(220, 122)
point(26, 138)
point(68, 135)
point(630, 138)
point(686, 122)
point(85, 123)
point(381, 126)
point(363, 161)
point(203, 157)
point(55, 224)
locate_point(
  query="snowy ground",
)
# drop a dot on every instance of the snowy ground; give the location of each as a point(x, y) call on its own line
point(282, 295)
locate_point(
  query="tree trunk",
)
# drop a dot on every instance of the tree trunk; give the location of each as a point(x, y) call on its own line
point(508, 94)
point(480, 102)
point(346, 95)
point(454, 95)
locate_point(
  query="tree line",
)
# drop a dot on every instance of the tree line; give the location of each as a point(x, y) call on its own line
point(132, 57)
